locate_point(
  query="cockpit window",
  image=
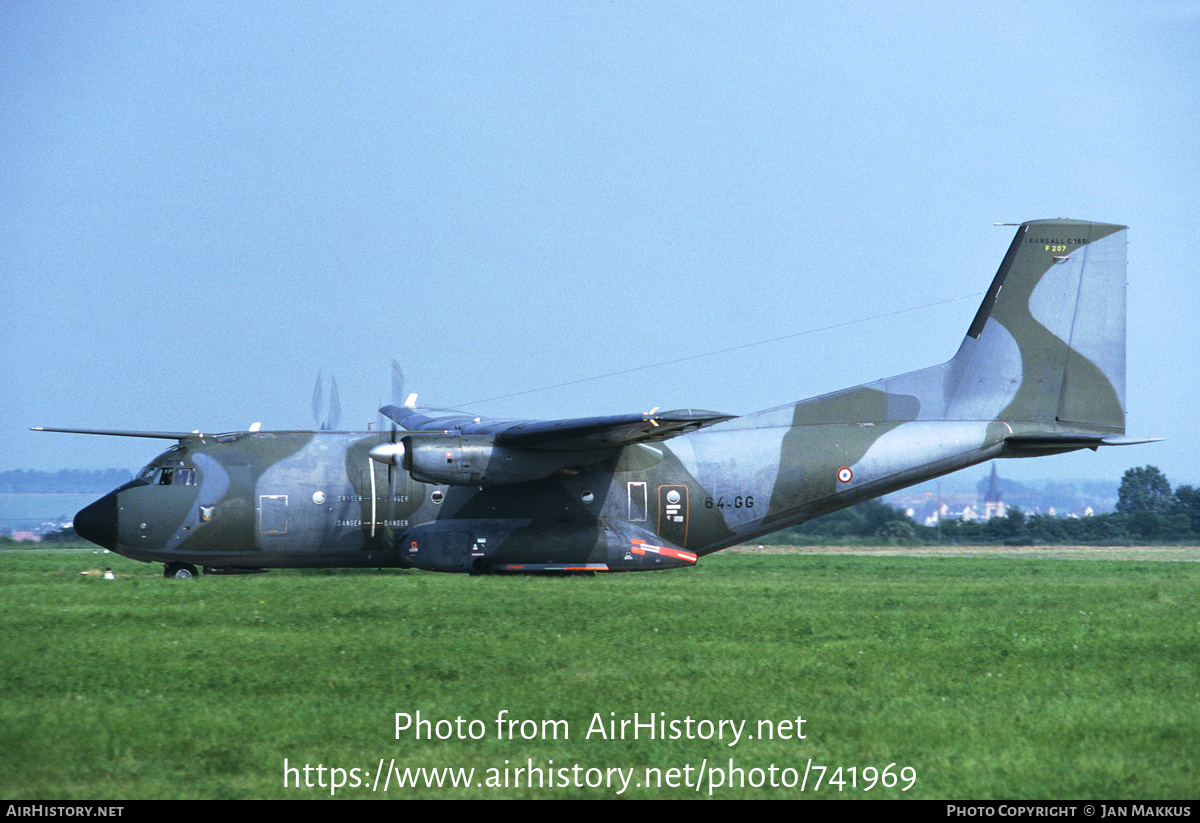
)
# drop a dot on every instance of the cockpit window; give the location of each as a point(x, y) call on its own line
point(168, 476)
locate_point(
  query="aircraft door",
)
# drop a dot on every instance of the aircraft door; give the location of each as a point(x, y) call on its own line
point(673, 513)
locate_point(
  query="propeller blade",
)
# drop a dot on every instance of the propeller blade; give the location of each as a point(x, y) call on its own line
point(318, 400)
point(335, 405)
point(397, 384)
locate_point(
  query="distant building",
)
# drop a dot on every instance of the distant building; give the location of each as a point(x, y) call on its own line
point(991, 496)
point(993, 504)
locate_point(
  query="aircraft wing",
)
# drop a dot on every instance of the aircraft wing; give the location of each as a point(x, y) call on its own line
point(122, 433)
point(583, 433)
point(614, 431)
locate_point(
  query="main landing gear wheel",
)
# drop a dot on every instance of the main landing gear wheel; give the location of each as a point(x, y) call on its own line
point(180, 571)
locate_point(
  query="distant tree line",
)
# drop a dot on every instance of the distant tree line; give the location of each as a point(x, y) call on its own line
point(1147, 511)
point(67, 481)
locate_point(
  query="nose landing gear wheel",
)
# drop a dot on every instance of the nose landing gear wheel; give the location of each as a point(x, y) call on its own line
point(180, 571)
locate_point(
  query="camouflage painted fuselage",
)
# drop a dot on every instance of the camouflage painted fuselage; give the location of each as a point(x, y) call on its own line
point(1040, 371)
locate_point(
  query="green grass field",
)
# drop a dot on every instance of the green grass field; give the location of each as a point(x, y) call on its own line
point(987, 677)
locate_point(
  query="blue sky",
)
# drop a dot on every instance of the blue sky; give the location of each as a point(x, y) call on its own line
point(202, 205)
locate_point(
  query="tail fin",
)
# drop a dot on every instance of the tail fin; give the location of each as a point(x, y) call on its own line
point(1047, 345)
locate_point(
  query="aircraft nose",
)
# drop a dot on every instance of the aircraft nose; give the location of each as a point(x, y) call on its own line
point(98, 522)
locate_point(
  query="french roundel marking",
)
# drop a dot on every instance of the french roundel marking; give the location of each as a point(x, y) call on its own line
point(845, 475)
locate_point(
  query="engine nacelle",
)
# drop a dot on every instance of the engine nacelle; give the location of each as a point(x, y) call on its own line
point(476, 460)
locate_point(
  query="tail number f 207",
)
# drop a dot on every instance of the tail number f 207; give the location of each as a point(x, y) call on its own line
point(736, 502)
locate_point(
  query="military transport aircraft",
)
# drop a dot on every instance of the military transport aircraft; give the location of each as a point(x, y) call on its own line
point(1041, 371)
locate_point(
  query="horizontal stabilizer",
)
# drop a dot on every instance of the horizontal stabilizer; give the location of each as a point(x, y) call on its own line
point(1072, 440)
